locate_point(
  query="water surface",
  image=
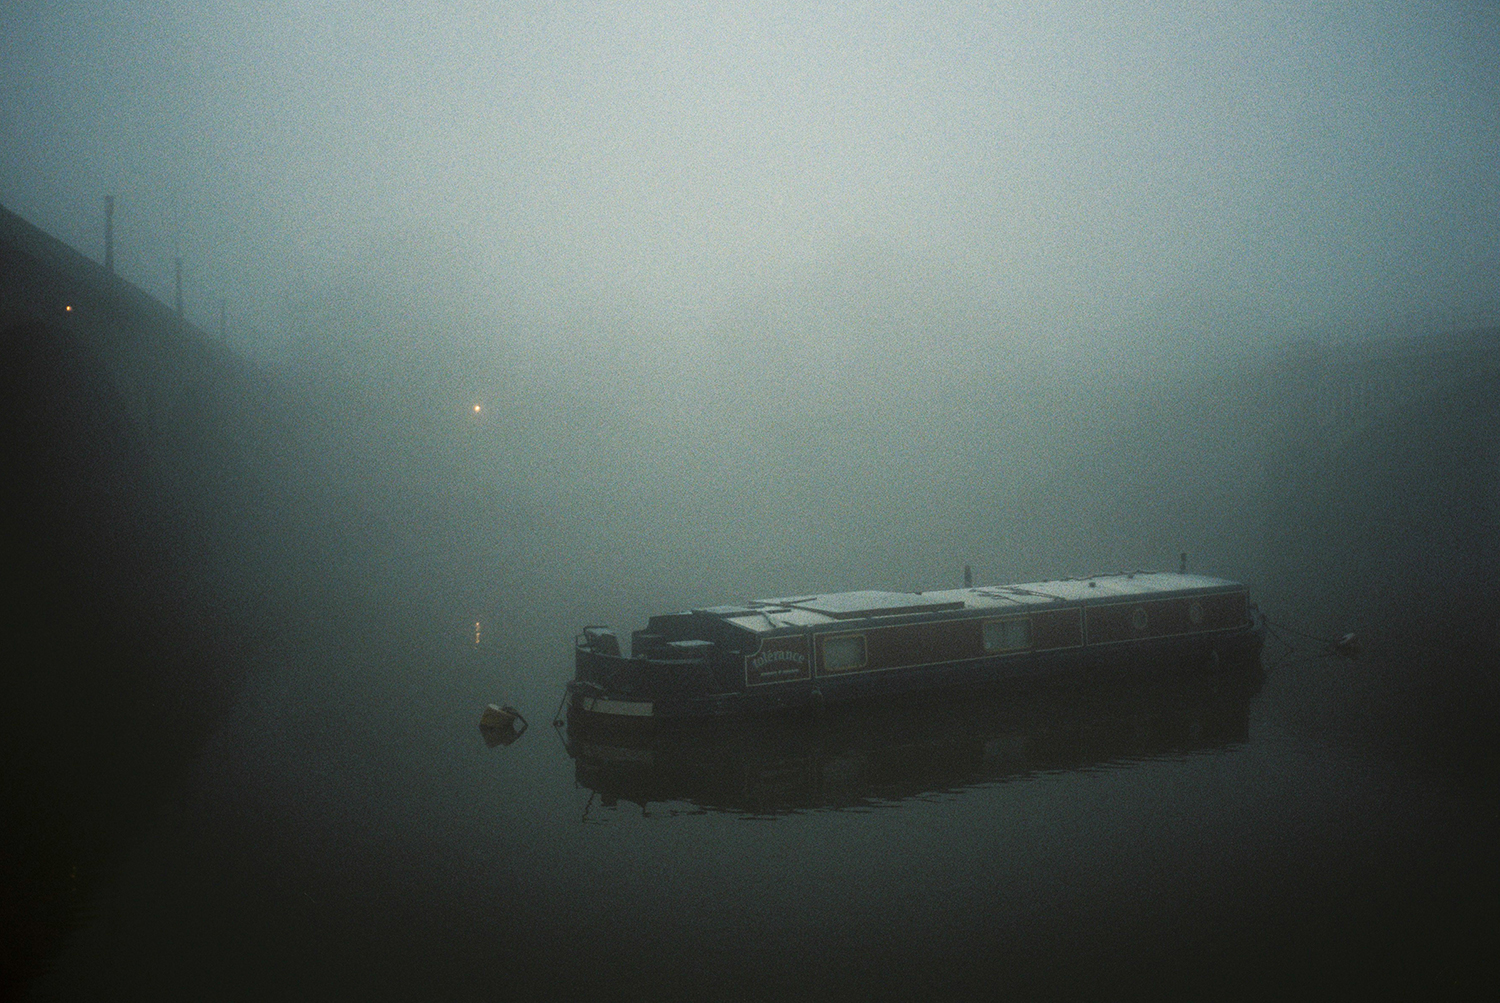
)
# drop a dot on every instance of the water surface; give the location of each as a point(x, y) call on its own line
point(348, 834)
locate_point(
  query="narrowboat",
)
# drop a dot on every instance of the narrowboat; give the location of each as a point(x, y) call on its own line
point(940, 742)
point(811, 651)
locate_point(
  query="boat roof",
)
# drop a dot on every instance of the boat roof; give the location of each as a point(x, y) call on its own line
point(766, 615)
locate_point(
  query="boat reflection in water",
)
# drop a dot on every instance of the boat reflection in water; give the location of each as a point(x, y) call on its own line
point(879, 753)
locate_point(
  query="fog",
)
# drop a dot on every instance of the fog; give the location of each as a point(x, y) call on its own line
point(538, 317)
point(1043, 178)
point(758, 299)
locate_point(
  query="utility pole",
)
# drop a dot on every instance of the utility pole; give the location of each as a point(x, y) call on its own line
point(109, 234)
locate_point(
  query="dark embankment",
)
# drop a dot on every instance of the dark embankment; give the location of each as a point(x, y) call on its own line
point(1394, 531)
point(118, 659)
point(176, 519)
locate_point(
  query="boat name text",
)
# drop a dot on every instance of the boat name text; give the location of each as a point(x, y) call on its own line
point(777, 655)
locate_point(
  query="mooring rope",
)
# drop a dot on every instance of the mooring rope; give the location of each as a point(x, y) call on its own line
point(1346, 646)
point(557, 718)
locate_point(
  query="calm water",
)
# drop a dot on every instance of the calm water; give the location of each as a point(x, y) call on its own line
point(347, 834)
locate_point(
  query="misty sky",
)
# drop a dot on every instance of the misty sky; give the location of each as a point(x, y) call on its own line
point(1049, 174)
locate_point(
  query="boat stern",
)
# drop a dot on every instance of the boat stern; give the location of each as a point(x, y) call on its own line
point(661, 678)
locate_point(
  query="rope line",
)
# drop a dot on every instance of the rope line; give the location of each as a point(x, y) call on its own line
point(1301, 633)
point(1345, 646)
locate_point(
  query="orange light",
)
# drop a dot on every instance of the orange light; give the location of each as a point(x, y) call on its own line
point(69, 309)
point(476, 406)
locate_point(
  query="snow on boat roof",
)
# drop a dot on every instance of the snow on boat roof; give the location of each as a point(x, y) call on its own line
point(765, 615)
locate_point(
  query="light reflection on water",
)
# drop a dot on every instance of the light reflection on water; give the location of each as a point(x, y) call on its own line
point(349, 834)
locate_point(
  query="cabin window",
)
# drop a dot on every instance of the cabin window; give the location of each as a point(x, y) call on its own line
point(1006, 635)
point(843, 652)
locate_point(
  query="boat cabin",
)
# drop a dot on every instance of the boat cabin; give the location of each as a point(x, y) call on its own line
point(844, 642)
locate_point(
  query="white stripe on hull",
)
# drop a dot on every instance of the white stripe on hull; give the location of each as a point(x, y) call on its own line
point(620, 708)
